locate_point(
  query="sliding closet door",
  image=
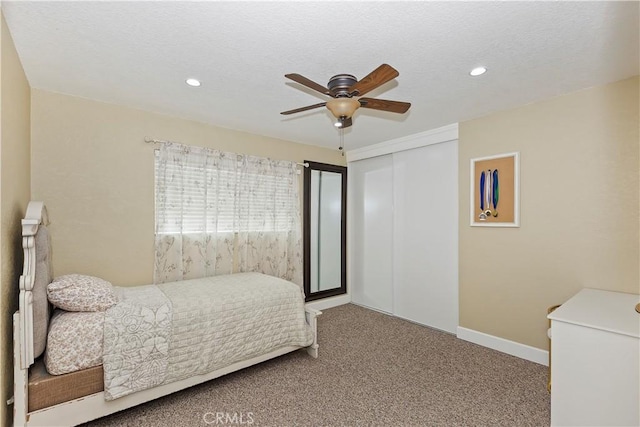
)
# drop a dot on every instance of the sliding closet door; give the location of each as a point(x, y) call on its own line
point(370, 232)
point(425, 235)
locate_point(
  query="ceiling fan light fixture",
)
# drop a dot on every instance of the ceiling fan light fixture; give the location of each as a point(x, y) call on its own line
point(343, 107)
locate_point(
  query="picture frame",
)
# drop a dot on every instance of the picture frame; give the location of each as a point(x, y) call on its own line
point(495, 191)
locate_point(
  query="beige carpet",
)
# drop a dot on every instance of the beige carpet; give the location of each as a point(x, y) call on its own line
point(373, 370)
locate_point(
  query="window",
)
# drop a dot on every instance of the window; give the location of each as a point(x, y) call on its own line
point(220, 213)
point(205, 198)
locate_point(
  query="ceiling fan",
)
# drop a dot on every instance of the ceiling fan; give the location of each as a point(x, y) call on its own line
point(346, 92)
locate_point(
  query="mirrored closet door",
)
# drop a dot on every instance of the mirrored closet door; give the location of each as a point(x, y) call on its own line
point(325, 229)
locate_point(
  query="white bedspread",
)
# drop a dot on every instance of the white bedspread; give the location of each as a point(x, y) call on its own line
point(160, 334)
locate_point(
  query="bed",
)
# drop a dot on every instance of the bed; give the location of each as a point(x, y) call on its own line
point(154, 340)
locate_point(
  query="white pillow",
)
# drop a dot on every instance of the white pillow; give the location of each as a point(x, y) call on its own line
point(76, 292)
point(75, 342)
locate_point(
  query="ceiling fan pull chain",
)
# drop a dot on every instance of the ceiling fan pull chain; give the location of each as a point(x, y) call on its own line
point(341, 147)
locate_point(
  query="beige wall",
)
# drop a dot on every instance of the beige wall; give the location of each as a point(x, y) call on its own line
point(15, 172)
point(94, 172)
point(579, 210)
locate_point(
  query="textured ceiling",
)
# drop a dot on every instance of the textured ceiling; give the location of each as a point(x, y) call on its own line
point(139, 54)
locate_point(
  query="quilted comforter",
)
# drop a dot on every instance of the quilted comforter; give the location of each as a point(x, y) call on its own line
point(158, 334)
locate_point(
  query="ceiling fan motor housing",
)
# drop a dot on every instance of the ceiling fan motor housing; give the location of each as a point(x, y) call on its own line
point(339, 85)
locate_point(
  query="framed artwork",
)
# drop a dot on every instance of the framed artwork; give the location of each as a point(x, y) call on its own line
point(495, 188)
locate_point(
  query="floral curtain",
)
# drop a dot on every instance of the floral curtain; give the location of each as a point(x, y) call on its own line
point(221, 213)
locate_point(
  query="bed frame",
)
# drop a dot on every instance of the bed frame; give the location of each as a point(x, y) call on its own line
point(94, 406)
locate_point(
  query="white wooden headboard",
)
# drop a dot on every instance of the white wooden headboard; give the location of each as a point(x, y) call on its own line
point(36, 215)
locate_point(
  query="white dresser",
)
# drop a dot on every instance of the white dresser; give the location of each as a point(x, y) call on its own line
point(595, 360)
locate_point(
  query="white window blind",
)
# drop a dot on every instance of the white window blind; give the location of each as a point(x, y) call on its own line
point(207, 199)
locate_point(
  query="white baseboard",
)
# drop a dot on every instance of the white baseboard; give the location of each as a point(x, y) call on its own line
point(513, 348)
point(323, 304)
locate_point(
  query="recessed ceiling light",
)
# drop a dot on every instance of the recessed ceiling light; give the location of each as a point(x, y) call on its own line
point(478, 71)
point(193, 82)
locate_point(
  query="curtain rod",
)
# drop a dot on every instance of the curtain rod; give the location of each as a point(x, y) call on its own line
point(164, 141)
point(157, 141)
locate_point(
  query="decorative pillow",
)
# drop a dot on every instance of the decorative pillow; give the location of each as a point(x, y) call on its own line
point(74, 342)
point(76, 292)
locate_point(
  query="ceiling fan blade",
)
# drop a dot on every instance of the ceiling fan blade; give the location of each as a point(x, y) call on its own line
point(345, 122)
point(308, 83)
point(384, 105)
point(308, 107)
point(376, 78)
